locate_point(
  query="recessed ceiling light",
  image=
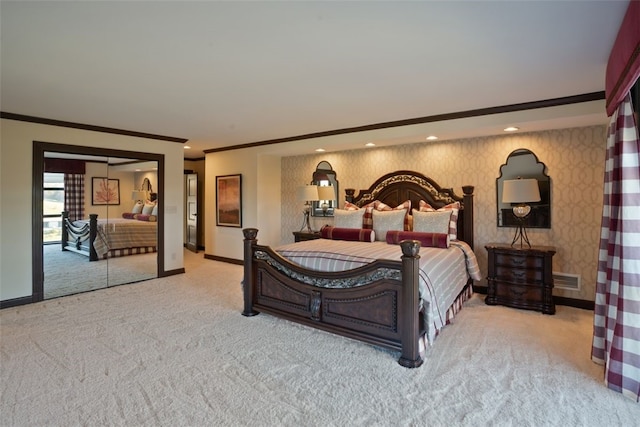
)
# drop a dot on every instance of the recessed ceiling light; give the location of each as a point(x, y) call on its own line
point(432, 138)
point(186, 147)
point(511, 129)
point(369, 144)
point(320, 150)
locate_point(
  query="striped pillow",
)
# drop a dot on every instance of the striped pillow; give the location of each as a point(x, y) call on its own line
point(453, 222)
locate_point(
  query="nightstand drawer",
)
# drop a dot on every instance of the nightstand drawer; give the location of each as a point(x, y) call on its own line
point(518, 261)
point(518, 275)
point(515, 293)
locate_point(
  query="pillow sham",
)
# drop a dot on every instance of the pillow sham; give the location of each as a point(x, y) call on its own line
point(453, 207)
point(432, 222)
point(427, 240)
point(137, 208)
point(155, 209)
point(377, 205)
point(384, 221)
point(148, 208)
point(347, 218)
point(351, 234)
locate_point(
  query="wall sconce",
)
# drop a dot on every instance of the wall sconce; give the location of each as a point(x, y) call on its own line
point(521, 191)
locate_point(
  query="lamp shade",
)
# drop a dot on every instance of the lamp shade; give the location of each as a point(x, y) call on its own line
point(520, 191)
point(326, 193)
point(308, 193)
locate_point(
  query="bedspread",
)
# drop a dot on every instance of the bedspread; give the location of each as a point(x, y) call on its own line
point(443, 272)
point(120, 233)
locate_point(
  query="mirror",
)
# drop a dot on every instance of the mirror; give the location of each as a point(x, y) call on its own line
point(104, 171)
point(324, 175)
point(523, 163)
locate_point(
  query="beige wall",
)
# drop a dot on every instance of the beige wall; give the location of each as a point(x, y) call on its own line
point(16, 158)
point(574, 160)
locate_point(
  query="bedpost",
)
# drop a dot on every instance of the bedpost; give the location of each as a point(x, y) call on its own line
point(409, 313)
point(65, 233)
point(250, 239)
point(349, 194)
point(467, 199)
point(93, 227)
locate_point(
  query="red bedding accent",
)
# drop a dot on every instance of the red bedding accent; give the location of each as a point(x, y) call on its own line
point(351, 234)
point(427, 240)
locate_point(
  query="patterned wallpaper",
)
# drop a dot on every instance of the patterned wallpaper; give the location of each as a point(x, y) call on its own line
point(574, 159)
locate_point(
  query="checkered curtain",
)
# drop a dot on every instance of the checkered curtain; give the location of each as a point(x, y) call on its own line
point(74, 195)
point(616, 332)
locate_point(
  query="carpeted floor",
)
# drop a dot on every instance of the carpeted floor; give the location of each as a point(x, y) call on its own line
point(67, 273)
point(176, 352)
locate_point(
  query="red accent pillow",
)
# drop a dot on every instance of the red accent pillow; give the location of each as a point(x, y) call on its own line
point(128, 215)
point(428, 240)
point(351, 234)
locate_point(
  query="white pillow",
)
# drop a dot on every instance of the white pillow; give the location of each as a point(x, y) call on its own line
point(431, 222)
point(384, 221)
point(148, 208)
point(347, 219)
point(155, 210)
point(137, 208)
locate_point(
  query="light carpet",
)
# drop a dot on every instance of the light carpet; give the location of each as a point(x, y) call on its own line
point(67, 273)
point(177, 352)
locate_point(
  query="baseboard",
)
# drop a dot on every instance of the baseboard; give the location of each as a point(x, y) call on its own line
point(16, 302)
point(223, 259)
point(171, 272)
point(569, 302)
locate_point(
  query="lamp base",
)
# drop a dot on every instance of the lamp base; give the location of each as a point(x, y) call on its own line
point(521, 234)
point(306, 226)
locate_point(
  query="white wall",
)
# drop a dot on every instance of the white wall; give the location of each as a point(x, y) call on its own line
point(16, 159)
point(260, 199)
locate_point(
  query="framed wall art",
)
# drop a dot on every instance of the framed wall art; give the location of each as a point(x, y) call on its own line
point(105, 191)
point(229, 200)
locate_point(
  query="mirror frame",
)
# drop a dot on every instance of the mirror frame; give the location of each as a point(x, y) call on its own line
point(39, 149)
point(540, 216)
point(324, 172)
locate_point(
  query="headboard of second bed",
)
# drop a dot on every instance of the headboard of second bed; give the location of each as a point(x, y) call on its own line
point(396, 187)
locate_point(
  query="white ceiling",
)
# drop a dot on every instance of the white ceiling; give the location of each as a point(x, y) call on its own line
point(237, 72)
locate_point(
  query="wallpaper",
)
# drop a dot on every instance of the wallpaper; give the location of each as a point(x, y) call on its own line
point(574, 159)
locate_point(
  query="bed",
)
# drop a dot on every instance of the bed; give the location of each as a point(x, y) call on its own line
point(380, 299)
point(108, 238)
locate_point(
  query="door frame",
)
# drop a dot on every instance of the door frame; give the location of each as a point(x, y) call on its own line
point(39, 148)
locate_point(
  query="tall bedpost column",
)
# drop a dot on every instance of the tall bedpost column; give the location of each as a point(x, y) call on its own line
point(409, 315)
point(250, 239)
point(65, 233)
point(467, 199)
point(93, 229)
point(350, 192)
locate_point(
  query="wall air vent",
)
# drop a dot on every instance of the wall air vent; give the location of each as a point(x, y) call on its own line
point(570, 282)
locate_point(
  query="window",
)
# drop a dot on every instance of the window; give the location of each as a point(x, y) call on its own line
point(52, 207)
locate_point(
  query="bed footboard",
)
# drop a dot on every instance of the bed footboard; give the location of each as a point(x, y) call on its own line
point(381, 310)
point(79, 239)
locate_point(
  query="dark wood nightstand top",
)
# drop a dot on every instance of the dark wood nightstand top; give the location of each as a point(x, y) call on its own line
point(516, 249)
point(300, 236)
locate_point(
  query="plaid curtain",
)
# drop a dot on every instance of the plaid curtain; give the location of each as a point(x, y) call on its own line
point(74, 195)
point(616, 324)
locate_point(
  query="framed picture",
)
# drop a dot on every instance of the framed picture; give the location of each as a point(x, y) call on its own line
point(105, 191)
point(229, 200)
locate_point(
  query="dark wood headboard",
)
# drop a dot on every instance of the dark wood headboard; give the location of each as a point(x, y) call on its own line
point(396, 187)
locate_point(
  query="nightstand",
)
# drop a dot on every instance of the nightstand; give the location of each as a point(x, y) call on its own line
point(521, 277)
point(301, 236)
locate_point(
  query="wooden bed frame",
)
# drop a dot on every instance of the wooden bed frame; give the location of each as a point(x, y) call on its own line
point(384, 310)
point(79, 239)
point(83, 236)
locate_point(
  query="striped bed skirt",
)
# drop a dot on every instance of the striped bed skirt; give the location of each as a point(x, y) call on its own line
point(115, 253)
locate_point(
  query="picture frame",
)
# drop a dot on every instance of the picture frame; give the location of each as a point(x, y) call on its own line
point(229, 200)
point(105, 191)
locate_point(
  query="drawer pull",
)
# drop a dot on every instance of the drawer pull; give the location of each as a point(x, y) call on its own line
point(519, 274)
point(518, 292)
point(518, 261)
